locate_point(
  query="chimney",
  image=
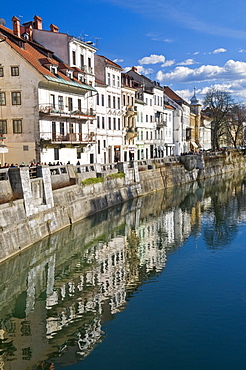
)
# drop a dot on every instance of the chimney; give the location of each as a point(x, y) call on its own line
point(135, 69)
point(53, 28)
point(37, 24)
point(28, 30)
point(16, 26)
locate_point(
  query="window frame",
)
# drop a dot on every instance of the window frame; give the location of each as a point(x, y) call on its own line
point(2, 101)
point(16, 97)
point(15, 71)
point(17, 126)
point(3, 127)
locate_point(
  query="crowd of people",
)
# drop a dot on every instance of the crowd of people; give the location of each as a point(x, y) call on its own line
point(34, 164)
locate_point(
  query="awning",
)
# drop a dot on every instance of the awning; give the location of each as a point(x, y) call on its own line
point(194, 144)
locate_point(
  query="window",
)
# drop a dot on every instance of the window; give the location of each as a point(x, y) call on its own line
point(102, 100)
point(56, 154)
point(114, 102)
point(109, 101)
point(113, 80)
point(60, 102)
point(118, 81)
point(2, 98)
point(98, 147)
point(17, 126)
point(16, 98)
point(109, 123)
point(79, 105)
point(98, 122)
point(78, 153)
point(70, 104)
point(103, 123)
point(109, 79)
point(53, 102)
point(118, 123)
point(114, 123)
point(62, 128)
point(147, 135)
point(25, 148)
point(70, 128)
point(53, 130)
point(104, 143)
point(3, 126)
point(97, 99)
point(118, 103)
point(74, 57)
point(1, 72)
point(82, 62)
point(14, 71)
point(124, 99)
point(146, 117)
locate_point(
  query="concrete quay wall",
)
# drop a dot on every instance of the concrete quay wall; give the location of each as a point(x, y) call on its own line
point(37, 206)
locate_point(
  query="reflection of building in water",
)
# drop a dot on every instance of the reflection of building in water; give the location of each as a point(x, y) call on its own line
point(111, 257)
point(79, 285)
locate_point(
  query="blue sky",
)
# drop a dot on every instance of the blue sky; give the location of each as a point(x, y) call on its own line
point(182, 44)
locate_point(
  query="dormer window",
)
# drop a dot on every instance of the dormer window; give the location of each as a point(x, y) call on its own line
point(53, 70)
point(69, 74)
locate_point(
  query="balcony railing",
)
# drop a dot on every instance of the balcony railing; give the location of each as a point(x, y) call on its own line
point(61, 111)
point(72, 138)
point(161, 123)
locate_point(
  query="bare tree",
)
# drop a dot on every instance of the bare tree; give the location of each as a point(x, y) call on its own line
point(218, 105)
point(236, 125)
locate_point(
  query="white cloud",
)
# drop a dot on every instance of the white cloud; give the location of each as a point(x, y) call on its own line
point(220, 50)
point(187, 62)
point(152, 59)
point(168, 63)
point(168, 40)
point(231, 71)
point(141, 70)
point(118, 60)
point(241, 50)
point(186, 94)
point(145, 71)
point(197, 52)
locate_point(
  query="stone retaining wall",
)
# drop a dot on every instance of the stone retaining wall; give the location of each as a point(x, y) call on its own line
point(36, 208)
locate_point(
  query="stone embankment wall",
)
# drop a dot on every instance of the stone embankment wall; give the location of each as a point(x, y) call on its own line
point(40, 201)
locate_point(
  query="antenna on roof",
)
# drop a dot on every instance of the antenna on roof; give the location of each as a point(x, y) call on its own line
point(97, 40)
point(2, 22)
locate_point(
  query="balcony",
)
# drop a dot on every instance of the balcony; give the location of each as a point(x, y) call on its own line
point(131, 133)
point(50, 110)
point(131, 111)
point(160, 123)
point(48, 139)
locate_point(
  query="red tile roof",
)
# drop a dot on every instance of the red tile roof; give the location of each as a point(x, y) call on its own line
point(110, 62)
point(171, 94)
point(34, 54)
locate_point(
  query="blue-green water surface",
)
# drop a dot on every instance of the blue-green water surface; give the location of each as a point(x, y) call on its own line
point(158, 283)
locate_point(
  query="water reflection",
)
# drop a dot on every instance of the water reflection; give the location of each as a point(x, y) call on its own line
point(56, 296)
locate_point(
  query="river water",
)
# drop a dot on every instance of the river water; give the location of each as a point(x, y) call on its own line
point(156, 283)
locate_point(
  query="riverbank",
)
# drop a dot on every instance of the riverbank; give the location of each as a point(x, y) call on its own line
point(38, 203)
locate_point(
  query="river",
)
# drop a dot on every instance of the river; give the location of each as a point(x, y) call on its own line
point(156, 283)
